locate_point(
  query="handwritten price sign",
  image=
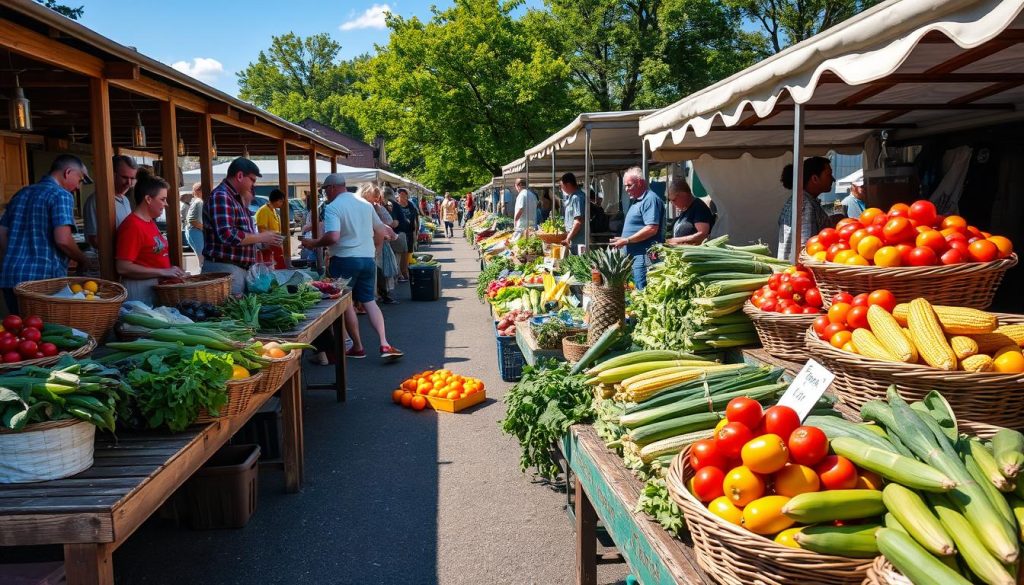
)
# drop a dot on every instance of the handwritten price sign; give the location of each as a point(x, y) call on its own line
point(807, 388)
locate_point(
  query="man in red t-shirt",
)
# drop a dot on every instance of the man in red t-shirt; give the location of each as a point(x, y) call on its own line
point(142, 254)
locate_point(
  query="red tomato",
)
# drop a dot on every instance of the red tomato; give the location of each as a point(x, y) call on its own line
point(769, 305)
point(836, 473)
point(31, 334)
point(12, 323)
point(960, 246)
point(819, 326)
point(775, 280)
point(837, 312)
point(924, 212)
point(731, 438)
point(835, 249)
point(11, 357)
point(704, 453)
point(8, 342)
point(898, 230)
point(860, 300)
point(953, 256)
point(802, 283)
point(707, 483)
point(785, 290)
point(792, 310)
point(923, 257)
point(832, 329)
point(876, 230)
point(34, 321)
point(953, 235)
point(880, 220)
point(857, 317)
point(842, 297)
point(828, 236)
point(899, 210)
point(807, 445)
point(848, 221)
point(781, 421)
point(813, 297)
point(28, 349)
point(744, 410)
point(809, 310)
point(48, 349)
point(905, 250)
point(883, 298)
point(983, 251)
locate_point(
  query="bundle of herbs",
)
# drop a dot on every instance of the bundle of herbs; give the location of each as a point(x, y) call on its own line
point(170, 388)
point(541, 407)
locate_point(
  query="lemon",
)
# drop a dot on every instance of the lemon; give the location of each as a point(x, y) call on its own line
point(238, 372)
point(76, 288)
point(91, 286)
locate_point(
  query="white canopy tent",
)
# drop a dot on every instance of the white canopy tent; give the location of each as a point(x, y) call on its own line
point(298, 173)
point(908, 67)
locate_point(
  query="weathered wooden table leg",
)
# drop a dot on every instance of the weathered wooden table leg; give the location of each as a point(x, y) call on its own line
point(586, 538)
point(300, 427)
point(339, 366)
point(292, 451)
point(89, 564)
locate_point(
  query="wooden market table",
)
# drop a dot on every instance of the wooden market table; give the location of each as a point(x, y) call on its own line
point(94, 512)
point(607, 491)
point(326, 314)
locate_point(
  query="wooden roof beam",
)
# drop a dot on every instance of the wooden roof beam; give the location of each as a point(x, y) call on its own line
point(121, 70)
point(48, 50)
point(162, 92)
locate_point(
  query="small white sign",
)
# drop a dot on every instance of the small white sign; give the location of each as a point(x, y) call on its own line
point(807, 387)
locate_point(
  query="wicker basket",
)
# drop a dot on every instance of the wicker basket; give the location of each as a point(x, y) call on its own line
point(983, 401)
point(782, 336)
point(239, 392)
point(573, 351)
point(964, 285)
point(273, 373)
point(551, 238)
point(45, 451)
point(213, 288)
point(94, 317)
point(736, 556)
point(79, 353)
point(881, 572)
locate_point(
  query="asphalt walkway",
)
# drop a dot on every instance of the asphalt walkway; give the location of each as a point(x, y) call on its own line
point(392, 496)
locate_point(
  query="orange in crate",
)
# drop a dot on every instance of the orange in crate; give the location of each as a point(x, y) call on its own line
point(443, 389)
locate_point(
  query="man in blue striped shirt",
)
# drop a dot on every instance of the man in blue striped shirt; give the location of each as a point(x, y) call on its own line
point(35, 230)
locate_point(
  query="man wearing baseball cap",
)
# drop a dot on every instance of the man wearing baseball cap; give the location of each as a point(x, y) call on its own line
point(854, 202)
point(35, 230)
point(228, 229)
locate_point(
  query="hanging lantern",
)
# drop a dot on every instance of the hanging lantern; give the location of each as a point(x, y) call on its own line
point(21, 110)
point(213, 149)
point(245, 151)
point(138, 133)
point(181, 147)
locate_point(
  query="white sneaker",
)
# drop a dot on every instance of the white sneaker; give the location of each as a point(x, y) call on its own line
point(349, 343)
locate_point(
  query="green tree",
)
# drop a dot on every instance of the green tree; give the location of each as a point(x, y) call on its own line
point(463, 93)
point(787, 22)
point(72, 13)
point(300, 77)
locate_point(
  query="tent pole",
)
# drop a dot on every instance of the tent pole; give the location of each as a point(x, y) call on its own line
point(554, 200)
point(643, 158)
point(526, 200)
point(586, 189)
point(798, 173)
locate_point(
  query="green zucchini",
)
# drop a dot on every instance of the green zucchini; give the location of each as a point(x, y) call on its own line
point(602, 345)
point(917, 564)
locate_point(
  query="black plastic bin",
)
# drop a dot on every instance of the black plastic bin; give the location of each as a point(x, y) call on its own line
point(223, 493)
point(425, 283)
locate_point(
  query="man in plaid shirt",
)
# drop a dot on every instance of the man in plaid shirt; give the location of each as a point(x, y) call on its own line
point(228, 229)
point(35, 230)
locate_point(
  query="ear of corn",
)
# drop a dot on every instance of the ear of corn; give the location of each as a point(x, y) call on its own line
point(977, 363)
point(928, 336)
point(914, 516)
point(974, 553)
point(963, 346)
point(914, 356)
point(672, 445)
point(892, 466)
point(914, 561)
point(1008, 449)
point(954, 320)
point(1001, 337)
point(868, 345)
point(889, 333)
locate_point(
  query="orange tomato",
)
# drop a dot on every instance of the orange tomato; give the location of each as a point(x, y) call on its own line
point(765, 454)
point(1003, 243)
point(868, 480)
point(899, 210)
point(814, 248)
point(406, 399)
point(1009, 362)
point(837, 312)
point(956, 222)
point(843, 255)
point(867, 217)
point(418, 403)
point(857, 260)
point(898, 230)
point(932, 239)
point(742, 486)
point(432, 393)
point(396, 396)
point(856, 237)
point(983, 251)
point(795, 479)
point(887, 256)
point(724, 508)
point(764, 515)
point(840, 338)
point(869, 245)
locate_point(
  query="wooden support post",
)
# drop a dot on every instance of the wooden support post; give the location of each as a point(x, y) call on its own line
point(169, 147)
point(586, 538)
point(312, 199)
point(282, 184)
point(334, 163)
point(205, 152)
point(89, 564)
point(103, 173)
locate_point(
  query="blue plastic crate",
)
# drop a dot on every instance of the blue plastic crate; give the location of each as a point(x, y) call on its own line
point(510, 358)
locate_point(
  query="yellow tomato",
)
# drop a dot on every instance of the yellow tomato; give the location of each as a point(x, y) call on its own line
point(76, 288)
point(742, 486)
point(887, 256)
point(91, 286)
point(820, 256)
point(1010, 362)
point(786, 537)
point(765, 454)
point(857, 260)
point(764, 515)
point(238, 372)
point(868, 246)
point(843, 255)
point(726, 510)
point(795, 479)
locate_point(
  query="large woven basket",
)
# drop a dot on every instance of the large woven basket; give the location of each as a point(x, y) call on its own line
point(239, 392)
point(607, 307)
point(79, 353)
point(970, 284)
point(573, 351)
point(736, 556)
point(213, 288)
point(551, 238)
point(45, 451)
point(881, 572)
point(983, 401)
point(273, 373)
point(94, 317)
point(782, 336)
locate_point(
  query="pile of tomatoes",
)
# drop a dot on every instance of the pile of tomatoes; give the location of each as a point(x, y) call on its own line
point(906, 235)
point(21, 339)
point(790, 292)
point(759, 459)
point(848, 312)
point(443, 384)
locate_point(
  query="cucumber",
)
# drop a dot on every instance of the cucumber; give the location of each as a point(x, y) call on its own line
point(857, 541)
point(814, 507)
point(913, 561)
point(602, 345)
point(838, 427)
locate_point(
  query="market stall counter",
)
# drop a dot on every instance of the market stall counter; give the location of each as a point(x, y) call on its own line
point(325, 314)
point(94, 512)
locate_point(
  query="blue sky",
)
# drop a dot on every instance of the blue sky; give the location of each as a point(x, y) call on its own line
point(213, 40)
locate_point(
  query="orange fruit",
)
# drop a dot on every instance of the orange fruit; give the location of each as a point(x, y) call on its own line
point(432, 393)
point(479, 384)
point(452, 395)
point(1004, 244)
point(867, 217)
point(887, 256)
point(396, 396)
point(1010, 362)
point(419, 403)
point(406, 399)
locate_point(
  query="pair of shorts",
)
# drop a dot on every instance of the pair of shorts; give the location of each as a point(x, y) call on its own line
point(362, 275)
point(410, 240)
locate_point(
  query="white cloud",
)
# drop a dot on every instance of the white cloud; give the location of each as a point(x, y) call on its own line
point(372, 17)
point(204, 69)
